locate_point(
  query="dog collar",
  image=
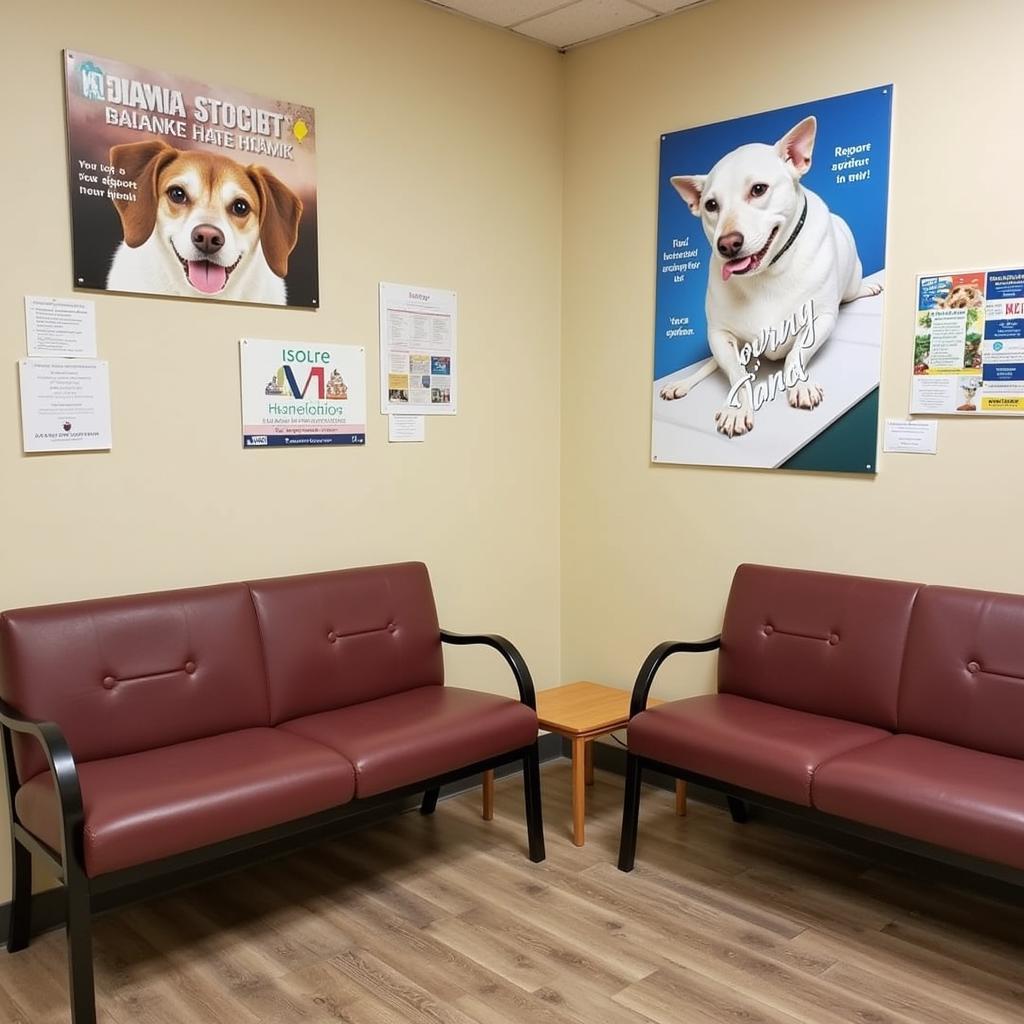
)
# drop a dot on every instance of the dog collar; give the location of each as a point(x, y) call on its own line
point(792, 237)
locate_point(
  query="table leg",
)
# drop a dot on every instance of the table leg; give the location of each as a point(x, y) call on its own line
point(488, 795)
point(589, 771)
point(680, 798)
point(579, 788)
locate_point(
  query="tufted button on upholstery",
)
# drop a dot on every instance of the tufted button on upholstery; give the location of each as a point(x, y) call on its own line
point(109, 682)
point(332, 636)
point(973, 666)
point(391, 627)
point(833, 639)
point(190, 667)
point(768, 630)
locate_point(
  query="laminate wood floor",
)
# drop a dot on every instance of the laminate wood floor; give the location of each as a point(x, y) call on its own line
point(443, 920)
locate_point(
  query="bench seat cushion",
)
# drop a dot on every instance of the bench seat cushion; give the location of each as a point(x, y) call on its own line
point(145, 806)
point(749, 743)
point(407, 737)
point(948, 795)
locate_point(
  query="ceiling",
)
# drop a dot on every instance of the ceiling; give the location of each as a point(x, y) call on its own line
point(565, 23)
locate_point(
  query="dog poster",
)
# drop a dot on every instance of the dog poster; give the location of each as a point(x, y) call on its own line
point(969, 344)
point(770, 282)
point(183, 189)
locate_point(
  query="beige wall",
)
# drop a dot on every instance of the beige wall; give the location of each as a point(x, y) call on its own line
point(439, 156)
point(441, 162)
point(648, 551)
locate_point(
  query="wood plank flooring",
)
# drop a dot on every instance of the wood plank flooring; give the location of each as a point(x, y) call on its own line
point(443, 920)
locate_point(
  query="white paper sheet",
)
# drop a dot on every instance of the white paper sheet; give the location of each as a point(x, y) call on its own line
point(407, 428)
point(917, 437)
point(60, 327)
point(65, 405)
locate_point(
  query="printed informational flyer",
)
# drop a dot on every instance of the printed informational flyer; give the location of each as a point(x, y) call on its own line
point(297, 395)
point(417, 350)
point(65, 405)
point(60, 327)
point(969, 344)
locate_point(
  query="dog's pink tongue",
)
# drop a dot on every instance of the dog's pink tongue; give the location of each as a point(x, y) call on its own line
point(206, 276)
point(736, 267)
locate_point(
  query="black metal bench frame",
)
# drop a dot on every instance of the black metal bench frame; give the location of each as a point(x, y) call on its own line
point(85, 896)
point(738, 799)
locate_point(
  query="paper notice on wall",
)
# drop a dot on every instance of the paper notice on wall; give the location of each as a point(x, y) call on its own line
point(911, 437)
point(65, 405)
point(417, 350)
point(60, 327)
point(969, 344)
point(406, 428)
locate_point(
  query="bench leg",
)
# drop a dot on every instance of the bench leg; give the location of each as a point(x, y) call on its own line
point(79, 934)
point(429, 804)
point(487, 811)
point(534, 817)
point(630, 813)
point(738, 810)
point(20, 924)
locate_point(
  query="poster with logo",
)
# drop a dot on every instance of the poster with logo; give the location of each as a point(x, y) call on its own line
point(770, 283)
point(969, 344)
point(298, 395)
point(180, 188)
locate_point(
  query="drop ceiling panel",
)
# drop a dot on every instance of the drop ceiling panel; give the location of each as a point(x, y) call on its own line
point(667, 6)
point(504, 12)
point(565, 23)
point(585, 19)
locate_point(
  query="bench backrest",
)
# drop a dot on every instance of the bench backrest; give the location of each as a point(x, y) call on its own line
point(132, 673)
point(337, 638)
point(963, 676)
point(819, 642)
point(127, 674)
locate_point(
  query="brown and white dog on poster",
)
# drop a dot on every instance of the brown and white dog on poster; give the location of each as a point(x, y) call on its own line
point(202, 225)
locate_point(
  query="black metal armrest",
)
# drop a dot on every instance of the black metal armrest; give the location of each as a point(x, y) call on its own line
point(508, 651)
point(645, 679)
point(62, 768)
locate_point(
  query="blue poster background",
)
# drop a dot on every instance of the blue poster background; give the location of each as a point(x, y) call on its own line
point(850, 120)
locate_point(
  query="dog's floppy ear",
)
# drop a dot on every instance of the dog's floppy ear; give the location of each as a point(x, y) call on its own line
point(797, 145)
point(280, 213)
point(141, 162)
point(690, 187)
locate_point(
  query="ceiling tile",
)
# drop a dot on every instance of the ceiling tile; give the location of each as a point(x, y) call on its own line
point(667, 6)
point(503, 12)
point(585, 19)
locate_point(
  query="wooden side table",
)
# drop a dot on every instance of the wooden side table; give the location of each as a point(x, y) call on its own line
point(581, 712)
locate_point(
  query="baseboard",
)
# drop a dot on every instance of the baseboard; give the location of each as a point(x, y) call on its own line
point(48, 906)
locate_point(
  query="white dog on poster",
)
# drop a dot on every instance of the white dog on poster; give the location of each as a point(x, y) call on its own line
point(781, 265)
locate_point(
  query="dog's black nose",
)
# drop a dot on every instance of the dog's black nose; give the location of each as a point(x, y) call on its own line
point(730, 244)
point(206, 238)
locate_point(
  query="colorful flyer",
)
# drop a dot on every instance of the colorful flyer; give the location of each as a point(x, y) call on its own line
point(298, 395)
point(969, 344)
point(417, 350)
point(183, 188)
point(770, 288)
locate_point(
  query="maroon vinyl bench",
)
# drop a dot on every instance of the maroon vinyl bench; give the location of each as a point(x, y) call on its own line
point(155, 739)
point(891, 710)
